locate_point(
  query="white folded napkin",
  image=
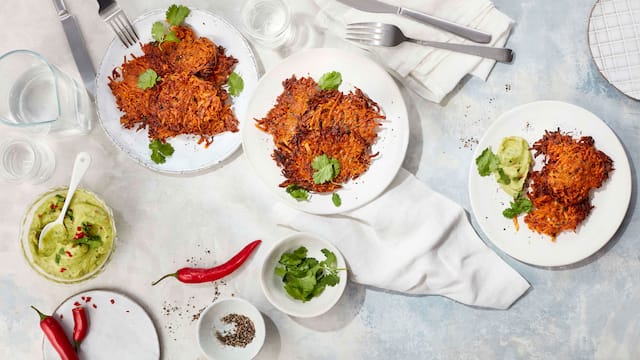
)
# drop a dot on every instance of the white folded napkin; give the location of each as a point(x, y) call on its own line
point(432, 73)
point(413, 240)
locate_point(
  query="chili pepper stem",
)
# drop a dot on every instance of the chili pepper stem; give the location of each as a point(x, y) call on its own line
point(76, 345)
point(175, 274)
point(42, 316)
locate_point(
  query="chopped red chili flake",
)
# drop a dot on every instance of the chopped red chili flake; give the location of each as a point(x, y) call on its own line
point(63, 270)
point(94, 306)
point(88, 298)
point(79, 228)
point(82, 297)
point(61, 316)
point(69, 254)
point(39, 215)
point(77, 303)
point(112, 301)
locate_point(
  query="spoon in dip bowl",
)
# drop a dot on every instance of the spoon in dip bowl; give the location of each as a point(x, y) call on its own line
point(80, 166)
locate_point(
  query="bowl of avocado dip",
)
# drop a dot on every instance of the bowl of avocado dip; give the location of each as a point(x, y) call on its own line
point(82, 249)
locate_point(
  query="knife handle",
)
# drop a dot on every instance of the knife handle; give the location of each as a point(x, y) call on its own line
point(104, 5)
point(61, 9)
point(460, 30)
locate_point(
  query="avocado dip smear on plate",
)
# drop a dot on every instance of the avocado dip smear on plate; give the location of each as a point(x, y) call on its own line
point(85, 245)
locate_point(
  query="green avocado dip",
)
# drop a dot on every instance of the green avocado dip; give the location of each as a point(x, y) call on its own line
point(510, 167)
point(515, 160)
point(83, 247)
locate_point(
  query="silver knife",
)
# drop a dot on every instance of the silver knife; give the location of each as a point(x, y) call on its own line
point(78, 47)
point(380, 7)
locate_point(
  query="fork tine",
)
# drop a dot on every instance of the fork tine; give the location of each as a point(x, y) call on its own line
point(363, 41)
point(119, 33)
point(364, 35)
point(124, 30)
point(128, 27)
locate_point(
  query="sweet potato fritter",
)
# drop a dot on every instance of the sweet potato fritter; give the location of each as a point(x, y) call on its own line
point(307, 122)
point(189, 99)
point(560, 191)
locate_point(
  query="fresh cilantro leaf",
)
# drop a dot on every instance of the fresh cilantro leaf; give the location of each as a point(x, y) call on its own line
point(172, 37)
point(236, 84)
point(161, 34)
point(297, 192)
point(176, 14)
point(521, 204)
point(330, 279)
point(148, 79)
point(487, 162)
point(280, 270)
point(331, 260)
point(57, 259)
point(158, 158)
point(160, 151)
point(158, 31)
point(330, 80)
point(305, 277)
point(502, 177)
point(327, 168)
point(335, 198)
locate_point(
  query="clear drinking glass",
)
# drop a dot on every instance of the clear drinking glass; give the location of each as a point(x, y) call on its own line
point(36, 94)
point(25, 160)
point(268, 22)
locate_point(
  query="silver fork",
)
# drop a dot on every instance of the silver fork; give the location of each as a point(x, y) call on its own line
point(379, 34)
point(113, 15)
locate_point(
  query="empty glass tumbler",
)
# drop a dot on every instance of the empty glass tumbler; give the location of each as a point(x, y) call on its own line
point(37, 95)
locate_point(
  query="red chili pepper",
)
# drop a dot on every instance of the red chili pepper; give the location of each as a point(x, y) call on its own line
point(80, 326)
point(54, 332)
point(198, 275)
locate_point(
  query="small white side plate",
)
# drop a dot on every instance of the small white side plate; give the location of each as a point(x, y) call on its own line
point(119, 328)
point(273, 286)
point(210, 322)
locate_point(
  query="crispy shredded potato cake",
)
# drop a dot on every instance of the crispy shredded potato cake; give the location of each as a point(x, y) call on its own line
point(307, 121)
point(560, 191)
point(189, 98)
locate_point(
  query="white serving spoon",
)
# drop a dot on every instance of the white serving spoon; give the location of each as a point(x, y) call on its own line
point(80, 166)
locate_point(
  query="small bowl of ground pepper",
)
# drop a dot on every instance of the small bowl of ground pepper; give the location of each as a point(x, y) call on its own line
point(231, 329)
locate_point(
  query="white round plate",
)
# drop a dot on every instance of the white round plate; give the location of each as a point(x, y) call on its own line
point(119, 328)
point(357, 71)
point(211, 321)
point(614, 42)
point(189, 156)
point(273, 287)
point(610, 201)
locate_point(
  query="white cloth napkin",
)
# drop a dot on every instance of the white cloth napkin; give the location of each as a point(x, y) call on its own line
point(413, 240)
point(432, 73)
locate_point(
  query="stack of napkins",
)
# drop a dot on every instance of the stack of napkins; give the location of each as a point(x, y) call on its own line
point(430, 72)
point(413, 240)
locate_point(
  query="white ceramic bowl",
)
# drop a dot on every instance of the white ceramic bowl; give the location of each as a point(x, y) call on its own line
point(273, 286)
point(210, 322)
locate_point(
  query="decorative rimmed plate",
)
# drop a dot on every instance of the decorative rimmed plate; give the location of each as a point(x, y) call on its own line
point(614, 41)
point(357, 71)
point(189, 156)
point(610, 201)
point(119, 328)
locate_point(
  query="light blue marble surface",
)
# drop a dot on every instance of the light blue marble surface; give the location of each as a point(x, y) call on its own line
point(586, 311)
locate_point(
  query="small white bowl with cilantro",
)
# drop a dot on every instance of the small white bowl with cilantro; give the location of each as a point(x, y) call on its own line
point(303, 275)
